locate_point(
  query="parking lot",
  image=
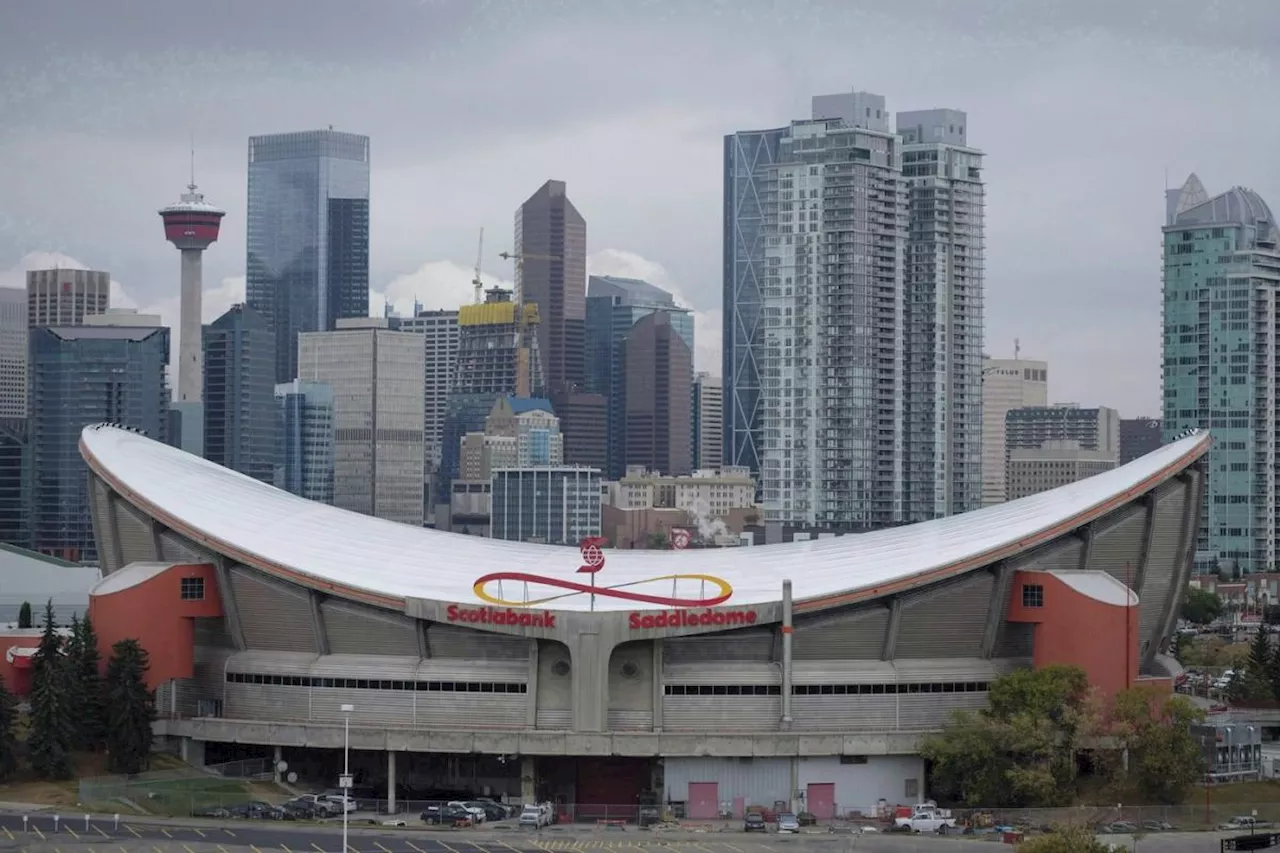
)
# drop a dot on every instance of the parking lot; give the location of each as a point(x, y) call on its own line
point(40, 834)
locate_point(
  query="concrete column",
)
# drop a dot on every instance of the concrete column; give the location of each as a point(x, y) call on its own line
point(659, 685)
point(787, 630)
point(276, 758)
point(191, 354)
point(531, 710)
point(590, 655)
point(528, 779)
point(192, 751)
point(391, 782)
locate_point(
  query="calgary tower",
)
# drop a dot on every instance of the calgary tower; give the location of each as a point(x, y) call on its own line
point(191, 225)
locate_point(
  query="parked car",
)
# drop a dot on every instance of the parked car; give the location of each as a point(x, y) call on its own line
point(787, 822)
point(318, 803)
point(338, 800)
point(754, 822)
point(446, 815)
point(472, 808)
point(533, 817)
point(492, 811)
point(256, 810)
point(928, 818)
point(1158, 826)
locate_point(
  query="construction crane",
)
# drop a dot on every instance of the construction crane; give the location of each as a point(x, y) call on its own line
point(476, 282)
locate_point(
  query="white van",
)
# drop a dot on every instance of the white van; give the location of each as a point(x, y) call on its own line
point(533, 816)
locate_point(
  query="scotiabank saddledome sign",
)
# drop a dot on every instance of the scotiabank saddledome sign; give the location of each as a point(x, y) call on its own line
point(686, 610)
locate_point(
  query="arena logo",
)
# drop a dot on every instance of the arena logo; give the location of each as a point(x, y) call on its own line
point(691, 619)
point(495, 616)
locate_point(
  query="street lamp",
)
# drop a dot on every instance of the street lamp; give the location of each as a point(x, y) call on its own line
point(344, 781)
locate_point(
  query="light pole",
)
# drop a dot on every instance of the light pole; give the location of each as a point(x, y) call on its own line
point(345, 781)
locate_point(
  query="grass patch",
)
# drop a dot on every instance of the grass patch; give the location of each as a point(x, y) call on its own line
point(1243, 793)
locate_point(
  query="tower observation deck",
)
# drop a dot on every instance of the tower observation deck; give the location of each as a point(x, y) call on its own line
point(191, 225)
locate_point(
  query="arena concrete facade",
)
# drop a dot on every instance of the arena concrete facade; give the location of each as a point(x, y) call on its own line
point(759, 666)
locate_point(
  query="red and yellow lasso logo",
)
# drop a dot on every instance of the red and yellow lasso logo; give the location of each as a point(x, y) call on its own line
point(593, 561)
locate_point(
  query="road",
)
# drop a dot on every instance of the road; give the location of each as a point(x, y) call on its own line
point(39, 834)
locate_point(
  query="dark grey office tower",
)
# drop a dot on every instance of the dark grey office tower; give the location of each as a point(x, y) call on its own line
point(551, 245)
point(15, 482)
point(239, 393)
point(1138, 437)
point(82, 375)
point(307, 259)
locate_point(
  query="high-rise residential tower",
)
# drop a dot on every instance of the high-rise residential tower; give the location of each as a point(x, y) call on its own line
point(376, 376)
point(307, 259)
point(708, 426)
point(62, 297)
point(82, 375)
point(1221, 351)
point(239, 389)
point(1007, 383)
point(1138, 437)
point(13, 353)
point(943, 314)
point(815, 229)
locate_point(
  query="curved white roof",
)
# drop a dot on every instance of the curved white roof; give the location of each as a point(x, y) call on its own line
point(385, 561)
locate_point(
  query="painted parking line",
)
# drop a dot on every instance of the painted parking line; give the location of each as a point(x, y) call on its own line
point(319, 849)
point(229, 832)
point(38, 832)
point(420, 850)
point(285, 847)
point(166, 832)
point(187, 847)
point(135, 832)
point(98, 830)
point(221, 849)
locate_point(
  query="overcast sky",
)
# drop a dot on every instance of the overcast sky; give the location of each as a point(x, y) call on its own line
point(1083, 108)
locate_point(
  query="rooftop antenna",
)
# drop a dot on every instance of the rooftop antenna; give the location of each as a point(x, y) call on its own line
point(1017, 349)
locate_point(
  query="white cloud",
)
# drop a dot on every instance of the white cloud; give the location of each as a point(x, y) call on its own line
point(436, 285)
point(706, 324)
point(218, 298)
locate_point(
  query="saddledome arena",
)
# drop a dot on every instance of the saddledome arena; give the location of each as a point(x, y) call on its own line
point(709, 679)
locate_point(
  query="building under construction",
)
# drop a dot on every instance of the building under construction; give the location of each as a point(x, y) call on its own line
point(497, 357)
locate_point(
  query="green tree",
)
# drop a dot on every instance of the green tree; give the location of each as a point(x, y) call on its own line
point(130, 708)
point(86, 678)
point(24, 616)
point(1179, 646)
point(8, 734)
point(1200, 607)
point(1164, 759)
point(53, 711)
point(1254, 683)
point(1021, 751)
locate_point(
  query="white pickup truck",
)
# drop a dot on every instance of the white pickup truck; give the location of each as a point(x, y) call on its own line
point(927, 818)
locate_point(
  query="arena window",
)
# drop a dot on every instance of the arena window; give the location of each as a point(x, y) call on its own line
point(888, 689)
point(325, 683)
point(1032, 595)
point(191, 589)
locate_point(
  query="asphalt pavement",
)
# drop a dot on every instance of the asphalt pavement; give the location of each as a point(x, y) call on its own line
point(41, 833)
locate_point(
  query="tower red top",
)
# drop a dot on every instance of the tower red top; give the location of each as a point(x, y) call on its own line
point(192, 223)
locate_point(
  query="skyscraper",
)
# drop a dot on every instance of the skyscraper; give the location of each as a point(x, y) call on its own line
point(13, 353)
point(551, 272)
point(307, 259)
point(61, 297)
point(1221, 294)
point(304, 440)
point(708, 426)
point(239, 387)
point(815, 229)
point(440, 335)
point(943, 303)
point(659, 395)
point(614, 306)
point(1007, 383)
point(1138, 437)
point(82, 375)
point(376, 376)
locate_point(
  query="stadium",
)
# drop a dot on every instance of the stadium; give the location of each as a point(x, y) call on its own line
point(706, 679)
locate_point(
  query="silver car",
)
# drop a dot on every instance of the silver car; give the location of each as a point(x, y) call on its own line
point(787, 822)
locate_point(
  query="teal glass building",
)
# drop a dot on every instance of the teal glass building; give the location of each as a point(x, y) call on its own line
point(1221, 358)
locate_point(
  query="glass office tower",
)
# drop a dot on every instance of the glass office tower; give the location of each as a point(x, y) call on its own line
point(307, 259)
point(82, 375)
point(239, 421)
point(1221, 351)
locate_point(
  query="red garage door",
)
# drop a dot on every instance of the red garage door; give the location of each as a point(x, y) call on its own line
point(820, 800)
point(704, 800)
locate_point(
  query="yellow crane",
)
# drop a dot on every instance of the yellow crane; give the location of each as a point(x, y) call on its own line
point(518, 258)
point(476, 282)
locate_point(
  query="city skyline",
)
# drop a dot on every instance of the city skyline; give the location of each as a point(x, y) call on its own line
point(628, 137)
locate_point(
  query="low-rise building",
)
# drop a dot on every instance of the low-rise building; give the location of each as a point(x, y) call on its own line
point(715, 505)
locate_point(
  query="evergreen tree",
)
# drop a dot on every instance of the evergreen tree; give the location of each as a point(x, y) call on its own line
point(8, 736)
point(24, 616)
point(53, 711)
point(87, 666)
point(1254, 684)
point(130, 708)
